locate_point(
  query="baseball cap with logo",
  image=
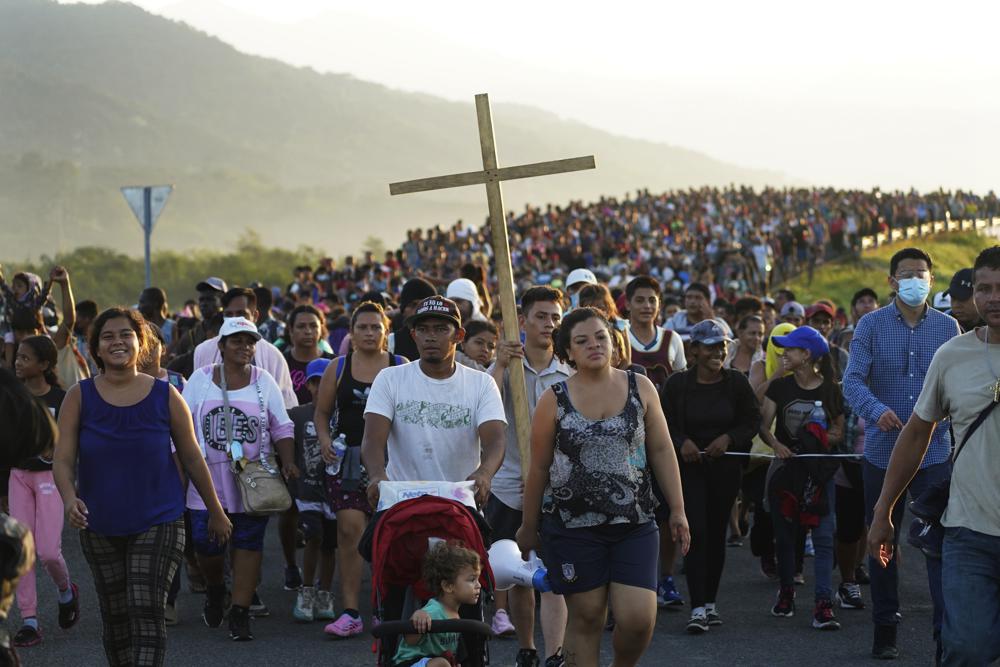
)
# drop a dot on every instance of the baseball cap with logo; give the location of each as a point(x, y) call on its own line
point(580, 276)
point(709, 332)
point(212, 283)
point(961, 286)
point(238, 325)
point(439, 307)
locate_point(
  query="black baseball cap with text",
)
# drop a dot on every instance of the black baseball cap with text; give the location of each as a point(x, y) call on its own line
point(436, 307)
point(960, 288)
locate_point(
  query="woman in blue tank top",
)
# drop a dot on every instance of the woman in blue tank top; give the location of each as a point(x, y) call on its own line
point(128, 499)
point(595, 440)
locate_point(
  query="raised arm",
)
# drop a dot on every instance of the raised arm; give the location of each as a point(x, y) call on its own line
point(506, 351)
point(68, 306)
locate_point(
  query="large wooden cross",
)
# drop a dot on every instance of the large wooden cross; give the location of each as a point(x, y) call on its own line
point(491, 175)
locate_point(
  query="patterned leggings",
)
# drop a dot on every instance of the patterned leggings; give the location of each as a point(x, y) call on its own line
point(132, 575)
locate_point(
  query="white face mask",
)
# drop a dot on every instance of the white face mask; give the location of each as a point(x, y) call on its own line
point(913, 291)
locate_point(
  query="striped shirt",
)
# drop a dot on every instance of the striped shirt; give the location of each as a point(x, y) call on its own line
point(888, 363)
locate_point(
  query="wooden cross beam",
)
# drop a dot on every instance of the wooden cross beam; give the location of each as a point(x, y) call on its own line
point(491, 176)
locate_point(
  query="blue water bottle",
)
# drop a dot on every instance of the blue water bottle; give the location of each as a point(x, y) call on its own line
point(818, 414)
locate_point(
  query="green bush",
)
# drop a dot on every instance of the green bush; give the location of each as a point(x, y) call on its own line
point(109, 277)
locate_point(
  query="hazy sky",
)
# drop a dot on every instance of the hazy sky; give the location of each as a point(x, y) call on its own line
point(895, 94)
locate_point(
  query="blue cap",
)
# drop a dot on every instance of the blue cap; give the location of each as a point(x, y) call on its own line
point(316, 368)
point(709, 332)
point(805, 338)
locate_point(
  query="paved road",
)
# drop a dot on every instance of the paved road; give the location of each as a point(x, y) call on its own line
point(750, 635)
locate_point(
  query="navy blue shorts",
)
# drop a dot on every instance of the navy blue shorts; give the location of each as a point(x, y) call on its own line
point(582, 559)
point(248, 533)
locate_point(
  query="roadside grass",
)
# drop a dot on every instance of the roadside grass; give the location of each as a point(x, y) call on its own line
point(840, 279)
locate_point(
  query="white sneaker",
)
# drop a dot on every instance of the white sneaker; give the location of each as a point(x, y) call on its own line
point(698, 624)
point(323, 609)
point(305, 602)
point(502, 627)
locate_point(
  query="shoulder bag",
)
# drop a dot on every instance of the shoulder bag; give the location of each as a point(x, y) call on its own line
point(262, 488)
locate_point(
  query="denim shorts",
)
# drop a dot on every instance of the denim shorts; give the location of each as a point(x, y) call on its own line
point(248, 533)
point(582, 559)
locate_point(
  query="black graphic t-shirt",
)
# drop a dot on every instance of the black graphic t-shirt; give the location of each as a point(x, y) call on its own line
point(311, 484)
point(794, 405)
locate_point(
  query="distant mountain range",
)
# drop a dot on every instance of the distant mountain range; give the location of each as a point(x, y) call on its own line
point(93, 97)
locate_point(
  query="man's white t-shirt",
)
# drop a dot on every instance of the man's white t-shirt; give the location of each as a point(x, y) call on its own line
point(435, 423)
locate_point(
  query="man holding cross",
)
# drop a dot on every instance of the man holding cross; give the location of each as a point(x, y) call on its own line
point(541, 313)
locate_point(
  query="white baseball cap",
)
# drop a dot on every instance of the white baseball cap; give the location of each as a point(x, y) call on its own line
point(238, 325)
point(942, 301)
point(580, 276)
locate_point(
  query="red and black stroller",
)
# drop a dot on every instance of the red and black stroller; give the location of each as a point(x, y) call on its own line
point(395, 544)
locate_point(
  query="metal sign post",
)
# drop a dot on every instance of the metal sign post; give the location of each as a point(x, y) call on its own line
point(147, 203)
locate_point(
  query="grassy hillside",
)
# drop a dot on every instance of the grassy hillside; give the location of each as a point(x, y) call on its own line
point(99, 96)
point(840, 280)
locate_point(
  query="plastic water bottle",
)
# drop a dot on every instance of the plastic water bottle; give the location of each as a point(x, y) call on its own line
point(818, 414)
point(339, 447)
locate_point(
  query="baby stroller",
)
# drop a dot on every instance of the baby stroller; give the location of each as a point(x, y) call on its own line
point(395, 544)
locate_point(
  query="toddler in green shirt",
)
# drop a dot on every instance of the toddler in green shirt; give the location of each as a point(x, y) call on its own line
point(451, 572)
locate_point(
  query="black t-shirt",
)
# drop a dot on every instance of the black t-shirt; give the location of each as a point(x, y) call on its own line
point(403, 343)
point(794, 404)
point(297, 369)
point(702, 412)
point(709, 412)
point(311, 484)
point(52, 401)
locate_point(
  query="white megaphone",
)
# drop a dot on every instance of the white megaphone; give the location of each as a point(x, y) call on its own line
point(510, 570)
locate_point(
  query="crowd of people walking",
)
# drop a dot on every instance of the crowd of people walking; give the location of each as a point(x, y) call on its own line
point(668, 422)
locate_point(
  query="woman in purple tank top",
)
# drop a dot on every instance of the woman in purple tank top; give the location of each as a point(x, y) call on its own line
point(128, 499)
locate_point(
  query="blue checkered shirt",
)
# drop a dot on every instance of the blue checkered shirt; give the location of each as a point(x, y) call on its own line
point(886, 371)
